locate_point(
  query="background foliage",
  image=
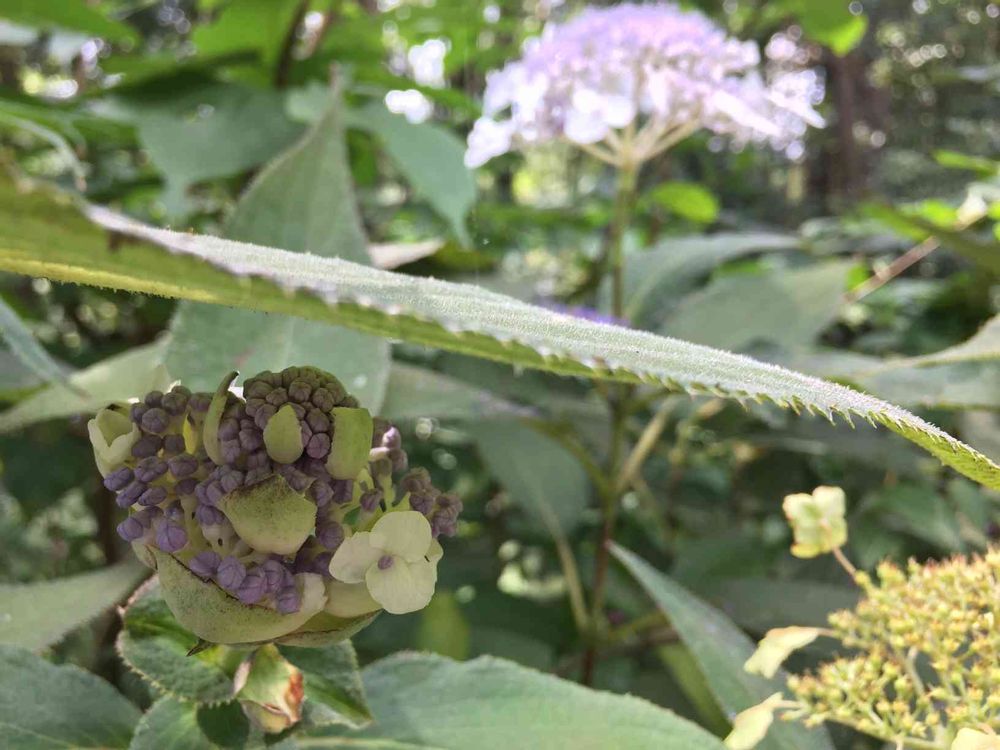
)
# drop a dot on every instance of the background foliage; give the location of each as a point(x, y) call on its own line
point(870, 261)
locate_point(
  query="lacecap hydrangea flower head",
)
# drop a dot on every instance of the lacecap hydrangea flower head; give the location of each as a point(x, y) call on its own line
point(279, 511)
point(628, 81)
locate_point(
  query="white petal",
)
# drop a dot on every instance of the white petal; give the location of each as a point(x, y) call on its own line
point(405, 534)
point(582, 126)
point(354, 557)
point(402, 587)
point(349, 599)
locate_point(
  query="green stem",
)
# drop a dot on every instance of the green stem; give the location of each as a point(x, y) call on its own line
point(619, 405)
point(625, 193)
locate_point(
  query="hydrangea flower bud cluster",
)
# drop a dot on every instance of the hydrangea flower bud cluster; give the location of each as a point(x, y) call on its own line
point(257, 491)
point(629, 81)
point(923, 668)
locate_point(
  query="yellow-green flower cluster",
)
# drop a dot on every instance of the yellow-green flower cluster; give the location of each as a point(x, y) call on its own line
point(923, 668)
point(928, 652)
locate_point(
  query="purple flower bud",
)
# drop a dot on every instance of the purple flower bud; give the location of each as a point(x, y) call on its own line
point(299, 391)
point(442, 526)
point(295, 478)
point(416, 481)
point(321, 493)
point(118, 479)
point(231, 480)
point(136, 411)
point(206, 515)
point(263, 415)
point(257, 389)
point(204, 564)
point(385, 562)
point(183, 465)
point(147, 446)
point(323, 399)
point(370, 500)
point(155, 421)
point(259, 460)
point(170, 537)
point(152, 496)
point(343, 491)
point(228, 429)
point(231, 451)
point(131, 493)
point(277, 397)
point(199, 402)
point(150, 469)
point(130, 529)
point(318, 421)
point(287, 600)
point(392, 438)
point(231, 573)
point(400, 461)
point(330, 534)
point(186, 486)
point(318, 445)
point(314, 468)
point(214, 493)
point(253, 588)
point(153, 398)
point(173, 445)
point(251, 439)
point(275, 574)
point(421, 502)
point(174, 403)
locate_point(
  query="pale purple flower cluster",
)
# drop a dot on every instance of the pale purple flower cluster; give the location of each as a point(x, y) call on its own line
point(627, 82)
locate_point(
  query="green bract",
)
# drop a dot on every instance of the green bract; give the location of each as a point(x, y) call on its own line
point(112, 436)
point(352, 434)
point(270, 516)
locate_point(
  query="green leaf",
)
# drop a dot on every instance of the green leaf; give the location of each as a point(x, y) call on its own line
point(456, 317)
point(303, 202)
point(429, 157)
point(257, 26)
point(689, 200)
point(789, 308)
point(415, 392)
point(36, 615)
point(28, 351)
point(720, 649)
point(537, 472)
point(984, 167)
point(71, 16)
point(171, 724)
point(127, 375)
point(657, 278)
point(830, 22)
point(428, 701)
point(913, 223)
point(443, 628)
point(45, 707)
point(203, 132)
point(983, 346)
point(154, 645)
point(759, 604)
point(333, 690)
